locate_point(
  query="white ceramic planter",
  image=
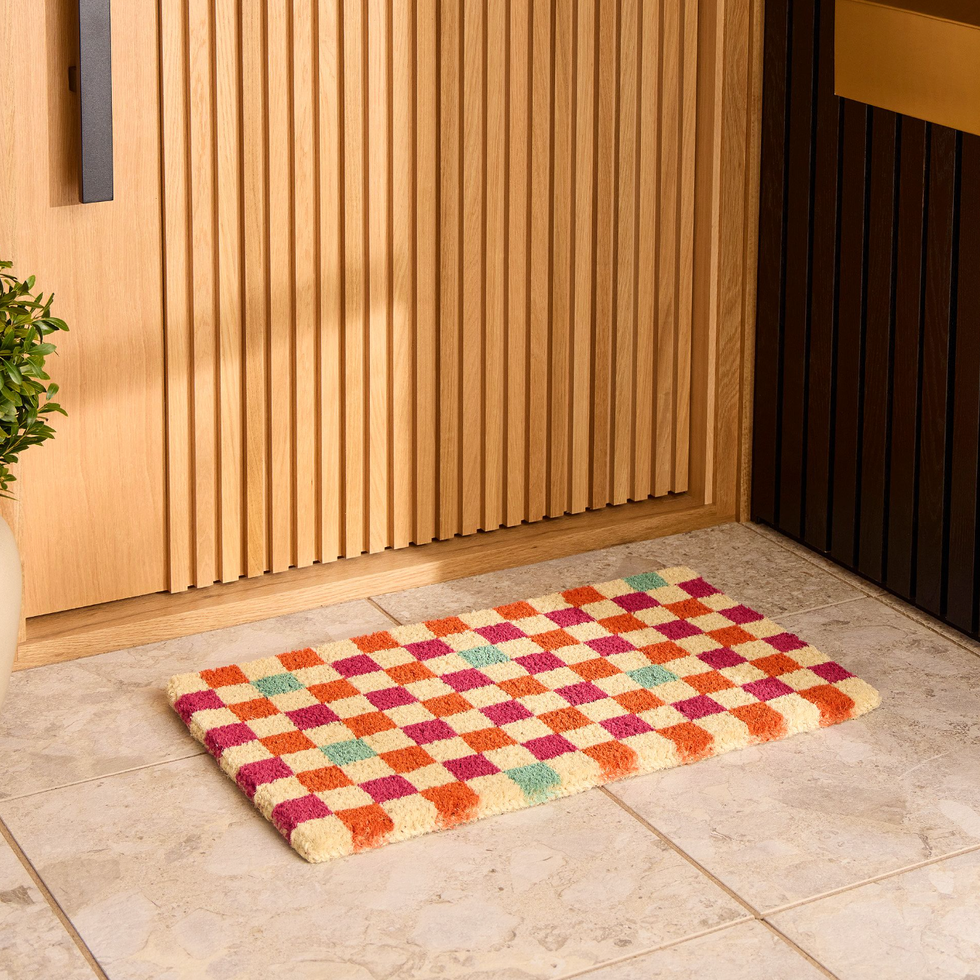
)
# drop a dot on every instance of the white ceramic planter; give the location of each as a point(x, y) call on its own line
point(10, 592)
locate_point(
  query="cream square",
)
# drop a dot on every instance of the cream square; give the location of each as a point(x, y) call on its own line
point(345, 798)
point(266, 667)
point(366, 769)
point(483, 697)
point(411, 633)
point(428, 776)
point(352, 706)
point(320, 674)
point(390, 740)
point(663, 717)
point(271, 725)
point(409, 714)
point(510, 757)
point(602, 710)
point(587, 736)
point(526, 729)
point(448, 748)
point(468, 721)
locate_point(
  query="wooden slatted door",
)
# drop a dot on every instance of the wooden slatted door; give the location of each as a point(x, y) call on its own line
point(428, 269)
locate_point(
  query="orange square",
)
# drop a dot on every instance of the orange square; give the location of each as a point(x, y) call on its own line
point(372, 642)
point(692, 741)
point(564, 719)
point(582, 596)
point(709, 681)
point(517, 610)
point(447, 626)
point(638, 701)
point(405, 760)
point(626, 623)
point(731, 636)
point(333, 691)
point(833, 703)
point(369, 724)
point(661, 653)
point(454, 801)
point(257, 708)
point(776, 664)
point(591, 669)
point(224, 676)
point(554, 639)
point(522, 687)
point(368, 825)
point(688, 609)
point(329, 777)
point(300, 658)
point(448, 704)
point(615, 758)
point(764, 723)
point(486, 739)
point(286, 742)
point(409, 673)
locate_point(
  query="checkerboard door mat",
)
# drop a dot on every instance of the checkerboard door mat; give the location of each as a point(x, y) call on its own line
point(417, 728)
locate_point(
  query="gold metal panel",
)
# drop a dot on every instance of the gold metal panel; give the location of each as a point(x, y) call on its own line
point(917, 57)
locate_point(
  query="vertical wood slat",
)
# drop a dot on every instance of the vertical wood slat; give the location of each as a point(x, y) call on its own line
point(330, 295)
point(429, 269)
point(305, 275)
point(518, 244)
point(471, 341)
point(229, 284)
point(403, 264)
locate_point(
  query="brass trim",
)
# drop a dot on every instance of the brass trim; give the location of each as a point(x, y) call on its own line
point(916, 57)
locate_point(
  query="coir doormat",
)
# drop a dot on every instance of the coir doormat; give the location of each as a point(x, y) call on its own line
point(417, 728)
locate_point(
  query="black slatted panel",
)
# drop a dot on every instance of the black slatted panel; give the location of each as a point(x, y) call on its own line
point(867, 403)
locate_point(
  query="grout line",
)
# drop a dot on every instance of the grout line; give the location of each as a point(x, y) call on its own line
point(832, 569)
point(921, 618)
point(969, 849)
point(656, 949)
point(755, 913)
point(105, 775)
point(809, 609)
point(377, 605)
point(52, 902)
point(815, 963)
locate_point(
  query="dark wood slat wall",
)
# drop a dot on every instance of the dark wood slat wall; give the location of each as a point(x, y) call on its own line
point(867, 402)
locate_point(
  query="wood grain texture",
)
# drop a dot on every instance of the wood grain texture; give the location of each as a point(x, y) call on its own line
point(429, 269)
point(93, 503)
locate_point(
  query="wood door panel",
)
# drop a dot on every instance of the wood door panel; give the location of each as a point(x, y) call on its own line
point(429, 269)
point(93, 524)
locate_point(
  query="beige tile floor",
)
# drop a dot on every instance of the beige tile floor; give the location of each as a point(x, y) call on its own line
point(853, 852)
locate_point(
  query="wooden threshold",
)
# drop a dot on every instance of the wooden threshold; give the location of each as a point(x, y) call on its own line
point(75, 633)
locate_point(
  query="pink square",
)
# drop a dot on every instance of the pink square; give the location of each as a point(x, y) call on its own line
point(470, 767)
point(677, 629)
point(831, 672)
point(741, 615)
point(390, 697)
point(289, 814)
point(187, 704)
point(698, 588)
point(581, 693)
point(424, 732)
point(573, 616)
point(538, 663)
point(219, 739)
point(500, 632)
point(606, 646)
point(722, 657)
point(466, 680)
point(253, 774)
point(312, 717)
point(388, 788)
point(352, 666)
point(625, 725)
point(785, 642)
point(506, 712)
point(698, 707)
point(634, 601)
point(768, 688)
point(428, 649)
point(549, 746)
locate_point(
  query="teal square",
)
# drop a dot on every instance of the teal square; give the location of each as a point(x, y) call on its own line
point(484, 656)
point(343, 753)
point(652, 676)
point(645, 581)
point(538, 781)
point(277, 684)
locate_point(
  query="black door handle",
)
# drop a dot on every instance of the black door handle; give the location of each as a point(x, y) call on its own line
point(95, 100)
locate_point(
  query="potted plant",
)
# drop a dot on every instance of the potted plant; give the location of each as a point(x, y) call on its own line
point(25, 404)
